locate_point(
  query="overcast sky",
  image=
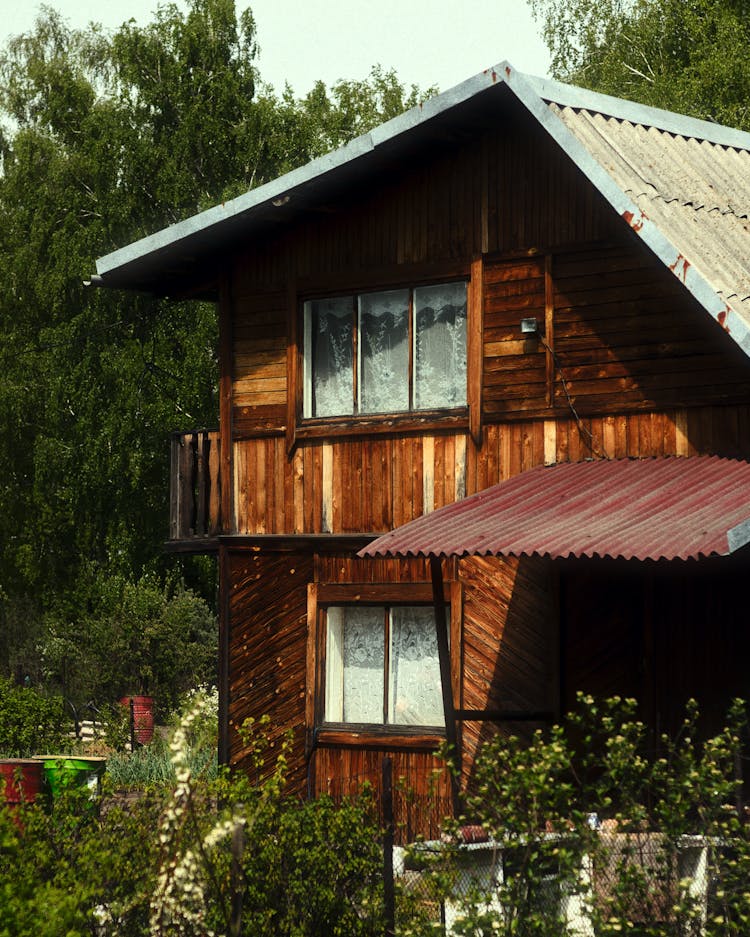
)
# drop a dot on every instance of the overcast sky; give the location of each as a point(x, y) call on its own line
point(427, 42)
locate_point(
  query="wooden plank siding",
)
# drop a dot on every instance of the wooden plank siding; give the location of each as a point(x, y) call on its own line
point(424, 784)
point(267, 642)
point(626, 365)
point(510, 645)
point(465, 202)
point(372, 485)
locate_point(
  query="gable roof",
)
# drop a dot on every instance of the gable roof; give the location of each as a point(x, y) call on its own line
point(643, 509)
point(683, 185)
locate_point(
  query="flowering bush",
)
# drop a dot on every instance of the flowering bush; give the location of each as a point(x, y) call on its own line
point(263, 864)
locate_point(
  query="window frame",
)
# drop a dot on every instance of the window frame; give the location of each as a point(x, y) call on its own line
point(387, 672)
point(321, 596)
point(460, 417)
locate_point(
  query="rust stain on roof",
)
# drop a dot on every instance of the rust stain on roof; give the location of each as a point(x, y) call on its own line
point(680, 267)
point(636, 222)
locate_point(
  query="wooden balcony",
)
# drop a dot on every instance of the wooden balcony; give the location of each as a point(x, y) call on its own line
point(195, 491)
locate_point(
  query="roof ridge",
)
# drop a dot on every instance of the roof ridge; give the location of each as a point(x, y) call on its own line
point(583, 99)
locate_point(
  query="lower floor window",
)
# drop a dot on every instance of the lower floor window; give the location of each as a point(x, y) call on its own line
point(382, 666)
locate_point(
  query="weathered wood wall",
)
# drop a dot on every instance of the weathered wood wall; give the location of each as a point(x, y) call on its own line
point(628, 366)
point(267, 597)
point(510, 646)
point(509, 192)
point(375, 484)
point(661, 633)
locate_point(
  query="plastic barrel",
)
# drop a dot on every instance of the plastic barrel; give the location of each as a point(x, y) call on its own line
point(62, 771)
point(21, 780)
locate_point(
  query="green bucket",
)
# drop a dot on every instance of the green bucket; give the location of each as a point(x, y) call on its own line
point(62, 771)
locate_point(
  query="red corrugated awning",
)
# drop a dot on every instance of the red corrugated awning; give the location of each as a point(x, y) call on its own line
point(645, 509)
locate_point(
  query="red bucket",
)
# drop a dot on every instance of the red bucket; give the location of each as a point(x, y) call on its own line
point(143, 716)
point(21, 780)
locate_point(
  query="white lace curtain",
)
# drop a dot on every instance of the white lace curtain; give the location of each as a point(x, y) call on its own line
point(329, 356)
point(414, 697)
point(440, 346)
point(384, 351)
point(439, 351)
point(356, 666)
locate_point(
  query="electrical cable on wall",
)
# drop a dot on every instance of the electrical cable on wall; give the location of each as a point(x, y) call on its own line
point(583, 430)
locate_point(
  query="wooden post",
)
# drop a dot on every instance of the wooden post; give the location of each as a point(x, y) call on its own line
point(389, 897)
point(201, 482)
point(225, 404)
point(174, 486)
point(224, 626)
point(449, 710)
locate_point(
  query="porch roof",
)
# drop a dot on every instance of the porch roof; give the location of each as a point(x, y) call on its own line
point(644, 509)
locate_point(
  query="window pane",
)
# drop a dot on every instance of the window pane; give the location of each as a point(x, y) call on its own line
point(364, 661)
point(384, 351)
point(440, 346)
point(329, 357)
point(415, 697)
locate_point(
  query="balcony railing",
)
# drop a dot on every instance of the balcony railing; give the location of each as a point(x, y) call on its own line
point(195, 486)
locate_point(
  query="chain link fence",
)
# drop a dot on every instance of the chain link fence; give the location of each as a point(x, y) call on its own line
point(638, 883)
point(602, 881)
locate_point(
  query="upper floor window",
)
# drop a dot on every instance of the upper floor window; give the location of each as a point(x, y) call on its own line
point(385, 352)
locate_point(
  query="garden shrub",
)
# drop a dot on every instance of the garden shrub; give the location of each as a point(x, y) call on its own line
point(30, 722)
point(265, 865)
point(142, 637)
point(192, 857)
point(595, 823)
point(237, 856)
point(65, 871)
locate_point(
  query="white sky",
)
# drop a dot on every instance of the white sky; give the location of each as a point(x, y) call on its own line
point(427, 42)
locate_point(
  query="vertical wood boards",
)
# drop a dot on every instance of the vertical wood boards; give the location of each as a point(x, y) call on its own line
point(644, 634)
point(374, 484)
point(423, 783)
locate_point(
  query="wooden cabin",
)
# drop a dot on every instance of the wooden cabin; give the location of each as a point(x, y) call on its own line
point(516, 274)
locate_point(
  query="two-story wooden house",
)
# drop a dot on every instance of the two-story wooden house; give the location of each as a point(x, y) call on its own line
point(521, 284)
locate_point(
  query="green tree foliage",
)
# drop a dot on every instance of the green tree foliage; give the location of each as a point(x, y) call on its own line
point(107, 137)
point(688, 56)
point(122, 637)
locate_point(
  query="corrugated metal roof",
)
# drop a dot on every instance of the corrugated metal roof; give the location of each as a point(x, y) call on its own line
point(644, 509)
point(695, 190)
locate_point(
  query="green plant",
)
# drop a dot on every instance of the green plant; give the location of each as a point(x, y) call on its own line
point(72, 871)
point(145, 637)
point(192, 857)
point(593, 825)
point(264, 864)
point(30, 722)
